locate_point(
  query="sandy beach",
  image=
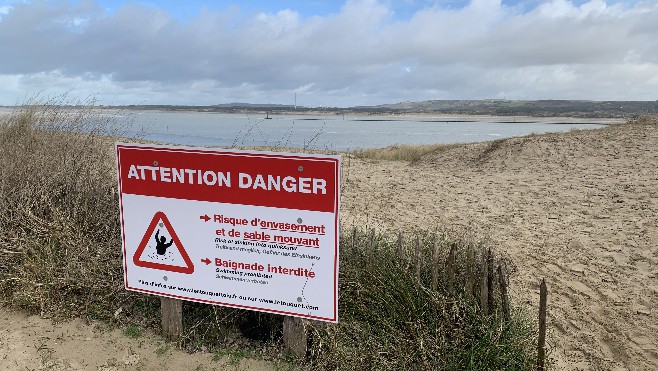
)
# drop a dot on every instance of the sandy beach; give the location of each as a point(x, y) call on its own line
point(578, 209)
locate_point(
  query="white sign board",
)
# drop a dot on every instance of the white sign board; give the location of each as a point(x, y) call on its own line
point(245, 229)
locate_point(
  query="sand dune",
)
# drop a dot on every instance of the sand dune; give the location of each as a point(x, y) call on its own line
point(578, 208)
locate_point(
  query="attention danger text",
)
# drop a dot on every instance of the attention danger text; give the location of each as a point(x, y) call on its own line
point(265, 182)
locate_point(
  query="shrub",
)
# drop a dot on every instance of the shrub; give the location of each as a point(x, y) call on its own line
point(59, 217)
point(389, 319)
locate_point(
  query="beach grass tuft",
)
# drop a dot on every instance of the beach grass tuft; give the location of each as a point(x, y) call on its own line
point(401, 152)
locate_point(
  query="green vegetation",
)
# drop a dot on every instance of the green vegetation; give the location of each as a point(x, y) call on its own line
point(132, 332)
point(60, 255)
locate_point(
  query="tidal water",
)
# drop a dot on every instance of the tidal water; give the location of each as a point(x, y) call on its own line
point(331, 132)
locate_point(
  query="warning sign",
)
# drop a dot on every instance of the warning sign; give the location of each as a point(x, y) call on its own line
point(161, 249)
point(246, 229)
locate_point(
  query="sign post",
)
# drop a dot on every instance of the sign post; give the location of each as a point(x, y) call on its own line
point(244, 229)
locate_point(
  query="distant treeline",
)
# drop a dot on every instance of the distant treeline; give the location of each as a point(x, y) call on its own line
point(494, 107)
point(544, 108)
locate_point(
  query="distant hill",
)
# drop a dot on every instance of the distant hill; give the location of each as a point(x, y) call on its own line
point(254, 105)
point(492, 107)
point(543, 108)
point(225, 107)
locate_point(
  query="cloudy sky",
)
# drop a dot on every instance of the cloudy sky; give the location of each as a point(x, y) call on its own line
point(328, 53)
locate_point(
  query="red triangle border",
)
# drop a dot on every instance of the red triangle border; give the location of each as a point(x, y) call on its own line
point(189, 269)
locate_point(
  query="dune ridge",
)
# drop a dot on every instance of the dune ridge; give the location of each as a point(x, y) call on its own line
point(577, 208)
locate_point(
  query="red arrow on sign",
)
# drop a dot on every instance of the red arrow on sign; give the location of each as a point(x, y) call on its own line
point(206, 260)
point(204, 217)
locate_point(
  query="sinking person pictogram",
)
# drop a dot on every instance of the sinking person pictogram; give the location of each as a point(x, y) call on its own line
point(162, 249)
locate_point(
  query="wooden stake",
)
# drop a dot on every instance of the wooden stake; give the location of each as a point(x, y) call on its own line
point(419, 259)
point(295, 336)
point(354, 231)
point(491, 271)
point(435, 265)
point(470, 275)
point(400, 251)
point(541, 342)
point(484, 292)
point(371, 244)
point(504, 296)
point(450, 269)
point(171, 311)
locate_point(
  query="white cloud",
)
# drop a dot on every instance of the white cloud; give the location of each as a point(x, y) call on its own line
point(4, 10)
point(360, 55)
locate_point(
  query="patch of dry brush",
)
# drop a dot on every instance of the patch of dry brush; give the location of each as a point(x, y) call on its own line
point(59, 216)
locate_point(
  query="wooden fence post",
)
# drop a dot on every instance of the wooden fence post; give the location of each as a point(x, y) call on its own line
point(504, 296)
point(541, 342)
point(295, 336)
point(484, 288)
point(491, 271)
point(435, 265)
point(419, 258)
point(354, 249)
point(470, 274)
point(450, 268)
point(171, 311)
point(400, 251)
point(371, 244)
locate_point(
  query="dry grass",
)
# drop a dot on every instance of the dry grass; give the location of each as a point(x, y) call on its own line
point(391, 320)
point(59, 218)
point(402, 152)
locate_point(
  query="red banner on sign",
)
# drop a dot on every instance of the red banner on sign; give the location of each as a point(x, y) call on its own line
point(282, 181)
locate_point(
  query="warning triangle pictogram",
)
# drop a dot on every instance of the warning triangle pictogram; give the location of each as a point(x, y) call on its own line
point(167, 256)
